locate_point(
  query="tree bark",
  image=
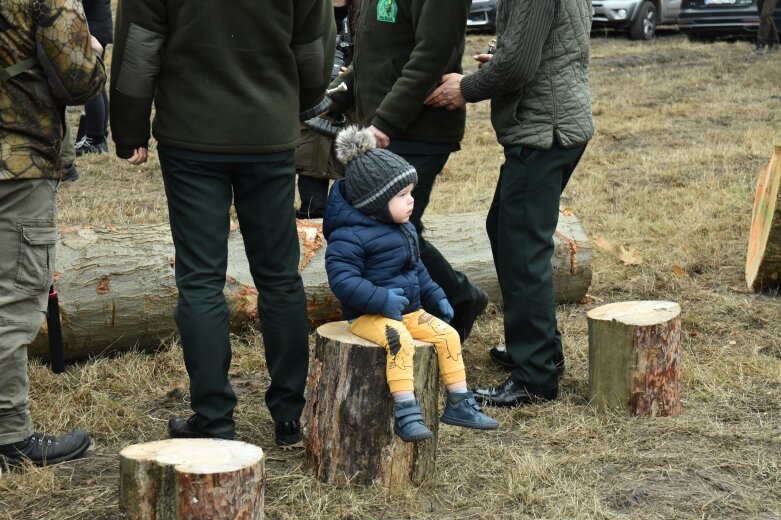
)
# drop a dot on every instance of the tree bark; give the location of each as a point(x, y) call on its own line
point(117, 289)
point(634, 357)
point(192, 478)
point(763, 259)
point(349, 413)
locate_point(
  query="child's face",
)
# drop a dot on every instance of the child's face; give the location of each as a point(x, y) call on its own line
point(400, 206)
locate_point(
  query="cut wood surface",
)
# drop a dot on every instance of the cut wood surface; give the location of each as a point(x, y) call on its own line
point(192, 478)
point(117, 287)
point(763, 259)
point(634, 357)
point(349, 413)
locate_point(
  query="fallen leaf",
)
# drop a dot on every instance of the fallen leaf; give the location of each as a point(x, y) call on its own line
point(602, 243)
point(587, 299)
point(445, 170)
point(630, 256)
point(567, 212)
point(679, 271)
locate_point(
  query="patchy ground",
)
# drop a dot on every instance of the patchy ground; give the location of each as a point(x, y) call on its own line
point(682, 131)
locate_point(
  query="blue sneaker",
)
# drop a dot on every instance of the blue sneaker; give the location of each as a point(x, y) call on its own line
point(461, 409)
point(408, 422)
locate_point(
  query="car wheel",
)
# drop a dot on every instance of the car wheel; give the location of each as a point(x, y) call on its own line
point(644, 25)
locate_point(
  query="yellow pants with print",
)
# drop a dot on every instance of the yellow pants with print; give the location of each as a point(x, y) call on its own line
point(396, 337)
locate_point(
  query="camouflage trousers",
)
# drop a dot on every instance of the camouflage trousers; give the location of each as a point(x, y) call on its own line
point(28, 233)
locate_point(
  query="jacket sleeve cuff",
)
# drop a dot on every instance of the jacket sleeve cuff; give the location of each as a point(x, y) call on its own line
point(469, 90)
point(125, 152)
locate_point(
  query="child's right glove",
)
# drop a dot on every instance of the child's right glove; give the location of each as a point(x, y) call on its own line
point(394, 304)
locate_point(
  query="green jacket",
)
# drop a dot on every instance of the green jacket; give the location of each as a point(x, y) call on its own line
point(402, 48)
point(538, 78)
point(225, 77)
point(31, 120)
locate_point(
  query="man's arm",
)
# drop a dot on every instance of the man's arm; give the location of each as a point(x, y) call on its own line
point(518, 53)
point(308, 46)
point(65, 50)
point(140, 33)
point(438, 36)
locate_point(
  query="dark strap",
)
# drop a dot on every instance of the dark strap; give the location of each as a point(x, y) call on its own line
point(16, 69)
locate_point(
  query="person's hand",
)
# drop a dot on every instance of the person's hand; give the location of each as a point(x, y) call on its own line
point(482, 58)
point(448, 93)
point(394, 304)
point(445, 310)
point(96, 46)
point(140, 155)
point(382, 138)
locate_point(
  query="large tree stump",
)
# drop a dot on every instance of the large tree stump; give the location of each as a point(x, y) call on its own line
point(763, 259)
point(634, 357)
point(117, 288)
point(349, 413)
point(181, 479)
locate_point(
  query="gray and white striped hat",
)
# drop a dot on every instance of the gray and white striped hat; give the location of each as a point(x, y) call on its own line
point(373, 175)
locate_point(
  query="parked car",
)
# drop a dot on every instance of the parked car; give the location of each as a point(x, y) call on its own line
point(482, 16)
point(638, 17)
point(712, 19)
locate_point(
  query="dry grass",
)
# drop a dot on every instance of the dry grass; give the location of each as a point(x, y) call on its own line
point(682, 130)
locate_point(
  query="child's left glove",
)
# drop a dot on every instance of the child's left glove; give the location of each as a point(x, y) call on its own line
point(445, 310)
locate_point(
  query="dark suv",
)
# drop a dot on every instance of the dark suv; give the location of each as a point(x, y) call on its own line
point(712, 19)
point(482, 16)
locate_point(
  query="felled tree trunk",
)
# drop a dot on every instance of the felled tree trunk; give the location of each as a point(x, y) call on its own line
point(192, 478)
point(349, 413)
point(763, 259)
point(117, 289)
point(635, 357)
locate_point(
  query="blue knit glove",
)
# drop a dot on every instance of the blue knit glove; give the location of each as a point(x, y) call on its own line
point(445, 310)
point(394, 304)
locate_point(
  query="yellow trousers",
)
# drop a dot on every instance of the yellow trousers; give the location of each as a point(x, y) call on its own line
point(396, 337)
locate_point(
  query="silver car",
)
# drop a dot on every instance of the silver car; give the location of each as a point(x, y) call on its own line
point(638, 17)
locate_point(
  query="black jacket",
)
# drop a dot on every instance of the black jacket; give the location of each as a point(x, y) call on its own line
point(99, 20)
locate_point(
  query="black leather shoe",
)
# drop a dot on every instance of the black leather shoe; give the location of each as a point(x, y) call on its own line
point(287, 435)
point(510, 393)
point(45, 450)
point(186, 429)
point(500, 356)
point(465, 318)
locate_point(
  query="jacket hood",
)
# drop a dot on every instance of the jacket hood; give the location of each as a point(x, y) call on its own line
point(340, 213)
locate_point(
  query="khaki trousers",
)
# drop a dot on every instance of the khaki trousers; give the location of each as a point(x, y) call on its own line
point(28, 233)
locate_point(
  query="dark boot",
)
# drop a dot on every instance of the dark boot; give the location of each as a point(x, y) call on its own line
point(461, 409)
point(288, 435)
point(45, 450)
point(408, 422)
point(188, 429)
point(510, 393)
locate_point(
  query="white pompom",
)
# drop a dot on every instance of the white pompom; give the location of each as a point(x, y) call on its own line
point(352, 142)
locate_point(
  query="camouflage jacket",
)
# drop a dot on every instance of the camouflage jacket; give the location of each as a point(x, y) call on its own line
point(31, 128)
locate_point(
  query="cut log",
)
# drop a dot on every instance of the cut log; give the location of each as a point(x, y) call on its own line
point(634, 357)
point(763, 259)
point(349, 435)
point(117, 289)
point(192, 478)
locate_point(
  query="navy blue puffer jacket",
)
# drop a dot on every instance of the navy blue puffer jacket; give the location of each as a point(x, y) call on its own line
point(365, 257)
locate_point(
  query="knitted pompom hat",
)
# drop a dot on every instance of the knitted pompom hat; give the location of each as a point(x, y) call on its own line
point(373, 175)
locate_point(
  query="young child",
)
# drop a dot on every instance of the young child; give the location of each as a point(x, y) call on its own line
point(374, 268)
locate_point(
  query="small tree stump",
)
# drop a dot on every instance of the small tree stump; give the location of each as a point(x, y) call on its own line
point(192, 478)
point(349, 413)
point(763, 259)
point(634, 357)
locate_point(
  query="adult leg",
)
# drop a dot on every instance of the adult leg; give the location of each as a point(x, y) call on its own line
point(468, 301)
point(521, 225)
point(28, 233)
point(199, 197)
point(313, 192)
point(264, 194)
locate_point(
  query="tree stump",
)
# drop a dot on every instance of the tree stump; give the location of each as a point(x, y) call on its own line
point(349, 413)
point(763, 259)
point(634, 357)
point(192, 478)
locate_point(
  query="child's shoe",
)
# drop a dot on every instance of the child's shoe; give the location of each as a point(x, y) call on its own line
point(461, 409)
point(408, 422)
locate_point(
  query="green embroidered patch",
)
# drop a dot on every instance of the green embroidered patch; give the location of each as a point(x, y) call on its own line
point(386, 11)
